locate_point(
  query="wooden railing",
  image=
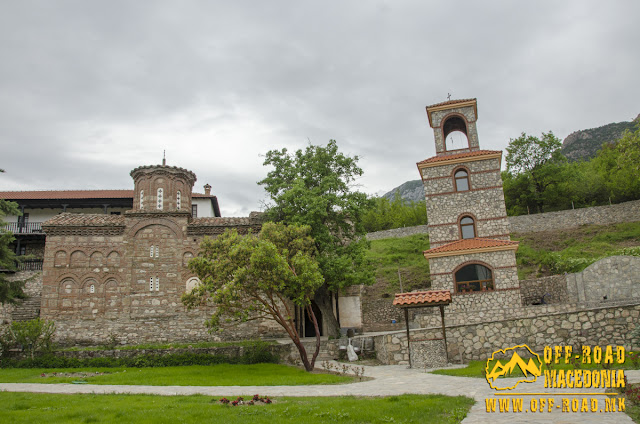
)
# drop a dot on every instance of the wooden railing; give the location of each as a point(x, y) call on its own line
point(30, 265)
point(24, 227)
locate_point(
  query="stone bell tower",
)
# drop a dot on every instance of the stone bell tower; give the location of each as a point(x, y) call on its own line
point(471, 251)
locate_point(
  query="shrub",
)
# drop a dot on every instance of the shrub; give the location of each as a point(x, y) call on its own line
point(31, 336)
point(256, 353)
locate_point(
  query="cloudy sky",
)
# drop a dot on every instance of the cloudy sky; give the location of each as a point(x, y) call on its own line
point(92, 89)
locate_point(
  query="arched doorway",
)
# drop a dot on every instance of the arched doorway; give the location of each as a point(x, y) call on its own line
point(309, 330)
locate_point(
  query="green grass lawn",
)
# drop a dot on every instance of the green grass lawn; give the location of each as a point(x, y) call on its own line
point(195, 375)
point(476, 368)
point(51, 409)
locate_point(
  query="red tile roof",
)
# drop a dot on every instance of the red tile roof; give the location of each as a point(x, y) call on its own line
point(85, 220)
point(467, 244)
point(458, 156)
point(75, 194)
point(420, 298)
point(451, 102)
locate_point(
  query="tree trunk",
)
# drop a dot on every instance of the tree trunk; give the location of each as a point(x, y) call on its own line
point(315, 326)
point(303, 354)
point(323, 300)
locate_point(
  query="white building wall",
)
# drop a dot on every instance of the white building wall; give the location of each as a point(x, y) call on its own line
point(205, 208)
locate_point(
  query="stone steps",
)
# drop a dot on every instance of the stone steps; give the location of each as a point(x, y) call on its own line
point(27, 310)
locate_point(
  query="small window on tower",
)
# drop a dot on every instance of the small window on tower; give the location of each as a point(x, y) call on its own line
point(178, 200)
point(194, 211)
point(151, 252)
point(92, 289)
point(157, 283)
point(462, 180)
point(157, 251)
point(467, 228)
point(141, 199)
point(150, 283)
point(160, 199)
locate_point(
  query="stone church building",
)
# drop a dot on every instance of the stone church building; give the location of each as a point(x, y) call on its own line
point(123, 275)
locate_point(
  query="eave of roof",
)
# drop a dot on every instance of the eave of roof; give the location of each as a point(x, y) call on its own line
point(424, 298)
point(76, 194)
point(475, 245)
point(451, 104)
point(459, 158)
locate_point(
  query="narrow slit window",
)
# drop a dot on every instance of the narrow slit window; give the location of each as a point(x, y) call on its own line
point(92, 289)
point(160, 199)
point(178, 200)
point(157, 251)
point(151, 284)
point(151, 252)
point(157, 283)
point(141, 199)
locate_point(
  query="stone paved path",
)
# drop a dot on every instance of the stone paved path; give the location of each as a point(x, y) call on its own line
point(387, 380)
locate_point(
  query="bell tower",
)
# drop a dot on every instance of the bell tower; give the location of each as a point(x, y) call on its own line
point(454, 117)
point(471, 250)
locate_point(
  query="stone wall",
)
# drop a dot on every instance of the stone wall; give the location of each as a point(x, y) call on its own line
point(612, 278)
point(398, 232)
point(30, 307)
point(552, 289)
point(576, 326)
point(560, 220)
point(599, 215)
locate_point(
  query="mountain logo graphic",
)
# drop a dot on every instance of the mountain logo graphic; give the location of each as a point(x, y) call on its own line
point(531, 369)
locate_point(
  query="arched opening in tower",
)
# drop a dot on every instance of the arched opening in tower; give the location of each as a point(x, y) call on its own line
point(455, 133)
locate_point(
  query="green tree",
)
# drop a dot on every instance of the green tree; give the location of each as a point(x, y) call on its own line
point(385, 214)
point(539, 158)
point(629, 149)
point(249, 278)
point(10, 291)
point(315, 187)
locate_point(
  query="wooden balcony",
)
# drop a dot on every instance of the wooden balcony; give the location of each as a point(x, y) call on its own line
point(24, 227)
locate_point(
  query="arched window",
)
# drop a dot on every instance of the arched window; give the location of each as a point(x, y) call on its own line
point(467, 228)
point(160, 199)
point(473, 278)
point(178, 200)
point(92, 289)
point(461, 178)
point(141, 199)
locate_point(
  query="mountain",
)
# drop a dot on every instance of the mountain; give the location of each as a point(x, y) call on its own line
point(411, 191)
point(584, 144)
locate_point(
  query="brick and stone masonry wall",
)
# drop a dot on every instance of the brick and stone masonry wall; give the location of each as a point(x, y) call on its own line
point(560, 220)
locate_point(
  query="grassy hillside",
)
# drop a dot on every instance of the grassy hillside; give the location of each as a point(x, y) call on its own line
point(557, 252)
point(540, 254)
point(404, 254)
